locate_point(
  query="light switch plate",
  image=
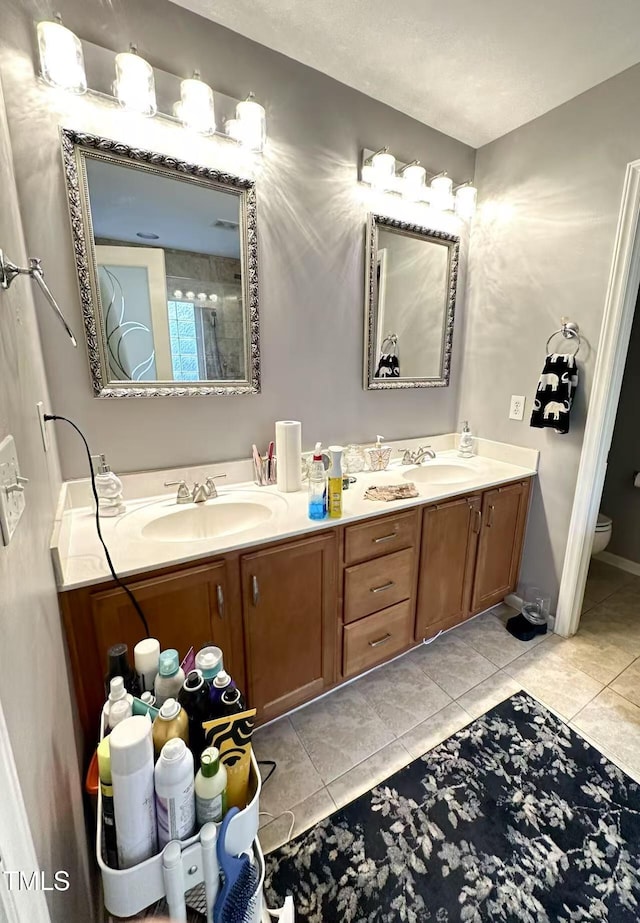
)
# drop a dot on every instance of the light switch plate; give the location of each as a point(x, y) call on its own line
point(516, 410)
point(12, 502)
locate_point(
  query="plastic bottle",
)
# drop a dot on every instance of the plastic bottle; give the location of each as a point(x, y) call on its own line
point(118, 665)
point(209, 662)
point(194, 698)
point(317, 486)
point(211, 788)
point(119, 711)
point(108, 816)
point(175, 793)
point(170, 678)
point(221, 682)
point(171, 721)
point(131, 748)
point(146, 657)
point(119, 704)
point(231, 703)
point(335, 482)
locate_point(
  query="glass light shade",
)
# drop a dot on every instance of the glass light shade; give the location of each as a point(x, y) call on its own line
point(383, 170)
point(441, 197)
point(466, 197)
point(195, 109)
point(233, 129)
point(252, 120)
point(135, 86)
point(61, 57)
point(413, 182)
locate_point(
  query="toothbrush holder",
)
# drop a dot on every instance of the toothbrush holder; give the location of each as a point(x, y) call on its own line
point(265, 473)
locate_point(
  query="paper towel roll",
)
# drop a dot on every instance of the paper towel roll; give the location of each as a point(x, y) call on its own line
point(288, 452)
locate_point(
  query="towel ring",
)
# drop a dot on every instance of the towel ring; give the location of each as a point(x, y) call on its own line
point(570, 331)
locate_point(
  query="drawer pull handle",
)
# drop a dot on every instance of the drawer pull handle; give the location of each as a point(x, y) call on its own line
point(385, 538)
point(477, 521)
point(490, 515)
point(379, 589)
point(379, 641)
point(220, 595)
point(255, 590)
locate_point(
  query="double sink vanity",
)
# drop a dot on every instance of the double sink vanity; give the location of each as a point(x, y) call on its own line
point(297, 606)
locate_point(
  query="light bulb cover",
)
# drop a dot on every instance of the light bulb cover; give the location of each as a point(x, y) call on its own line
point(383, 170)
point(414, 182)
point(195, 108)
point(466, 198)
point(441, 197)
point(135, 87)
point(61, 58)
point(252, 127)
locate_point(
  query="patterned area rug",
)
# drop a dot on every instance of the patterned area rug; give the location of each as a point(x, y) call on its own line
point(514, 818)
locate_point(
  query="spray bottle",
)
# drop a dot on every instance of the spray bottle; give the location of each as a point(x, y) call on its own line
point(335, 482)
point(317, 486)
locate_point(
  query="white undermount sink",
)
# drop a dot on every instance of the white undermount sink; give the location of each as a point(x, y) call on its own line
point(224, 515)
point(440, 472)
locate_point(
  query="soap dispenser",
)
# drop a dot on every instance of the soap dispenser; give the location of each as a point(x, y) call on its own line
point(379, 455)
point(465, 445)
point(108, 488)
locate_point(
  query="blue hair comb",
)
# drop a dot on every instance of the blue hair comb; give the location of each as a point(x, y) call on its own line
point(237, 898)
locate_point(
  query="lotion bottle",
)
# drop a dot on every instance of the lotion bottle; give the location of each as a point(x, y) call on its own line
point(335, 482)
point(211, 788)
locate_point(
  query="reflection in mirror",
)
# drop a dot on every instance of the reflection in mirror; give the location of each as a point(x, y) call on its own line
point(170, 252)
point(411, 291)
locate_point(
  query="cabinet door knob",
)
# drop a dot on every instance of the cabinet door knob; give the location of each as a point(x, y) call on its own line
point(220, 595)
point(255, 590)
point(379, 589)
point(379, 641)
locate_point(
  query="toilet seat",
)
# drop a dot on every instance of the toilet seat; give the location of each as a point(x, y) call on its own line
point(604, 523)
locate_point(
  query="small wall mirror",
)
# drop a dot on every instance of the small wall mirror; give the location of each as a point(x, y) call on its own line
point(166, 254)
point(410, 304)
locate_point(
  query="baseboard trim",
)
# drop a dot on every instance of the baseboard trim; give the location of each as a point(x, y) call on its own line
point(607, 557)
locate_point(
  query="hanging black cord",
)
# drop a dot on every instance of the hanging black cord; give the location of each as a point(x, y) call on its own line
point(134, 601)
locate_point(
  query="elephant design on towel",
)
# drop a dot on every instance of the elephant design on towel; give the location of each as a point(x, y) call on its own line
point(548, 380)
point(555, 408)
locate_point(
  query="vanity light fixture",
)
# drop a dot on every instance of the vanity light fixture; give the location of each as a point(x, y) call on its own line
point(195, 108)
point(134, 86)
point(382, 170)
point(213, 298)
point(190, 296)
point(61, 57)
point(465, 200)
point(177, 293)
point(413, 181)
point(441, 196)
point(252, 124)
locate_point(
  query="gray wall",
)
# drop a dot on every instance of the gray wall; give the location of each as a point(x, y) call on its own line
point(311, 225)
point(621, 500)
point(542, 248)
point(34, 681)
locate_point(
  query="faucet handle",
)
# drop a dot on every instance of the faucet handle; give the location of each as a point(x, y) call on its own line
point(183, 491)
point(210, 484)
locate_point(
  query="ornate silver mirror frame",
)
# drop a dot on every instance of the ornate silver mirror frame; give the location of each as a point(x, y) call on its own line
point(76, 147)
point(374, 336)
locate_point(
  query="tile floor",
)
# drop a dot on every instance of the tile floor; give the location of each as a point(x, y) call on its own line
point(336, 748)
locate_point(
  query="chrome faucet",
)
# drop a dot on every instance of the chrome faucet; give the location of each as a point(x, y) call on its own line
point(417, 458)
point(200, 493)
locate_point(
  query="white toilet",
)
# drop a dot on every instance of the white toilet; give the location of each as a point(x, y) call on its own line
point(602, 534)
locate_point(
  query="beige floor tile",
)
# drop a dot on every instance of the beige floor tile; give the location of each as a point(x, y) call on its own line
point(435, 729)
point(554, 682)
point(594, 654)
point(634, 773)
point(366, 775)
point(489, 693)
point(340, 731)
point(628, 683)
point(402, 694)
point(295, 776)
point(312, 810)
point(603, 580)
point(614, 624)
point(452, 664)
point(625, 602)
point(488, 635)
point(613, 722)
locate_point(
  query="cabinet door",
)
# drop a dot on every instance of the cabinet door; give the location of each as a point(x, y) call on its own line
point(190, 607)
point(290, 615)
point(447, 558)
point(504, 512)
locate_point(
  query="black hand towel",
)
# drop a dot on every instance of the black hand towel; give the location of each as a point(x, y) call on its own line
point(554, 397)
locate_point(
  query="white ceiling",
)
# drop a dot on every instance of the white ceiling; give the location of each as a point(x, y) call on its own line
point(474, 69)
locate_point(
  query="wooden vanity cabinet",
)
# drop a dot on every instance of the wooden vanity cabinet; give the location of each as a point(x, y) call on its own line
point(290, 610)
point(504, 516)
point(447, 561)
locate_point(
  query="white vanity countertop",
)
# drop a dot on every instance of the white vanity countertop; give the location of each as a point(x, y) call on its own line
point(79, 560)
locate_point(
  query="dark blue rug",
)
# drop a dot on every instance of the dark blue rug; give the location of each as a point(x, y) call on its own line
point(513, 818)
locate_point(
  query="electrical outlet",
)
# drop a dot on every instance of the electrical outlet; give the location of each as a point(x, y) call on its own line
point(516, 410)
point(12, 493)
point(43, 425)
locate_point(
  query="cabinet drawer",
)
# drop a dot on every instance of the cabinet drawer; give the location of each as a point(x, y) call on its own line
point(377, 584)
point(372, 539)
point(377, 638)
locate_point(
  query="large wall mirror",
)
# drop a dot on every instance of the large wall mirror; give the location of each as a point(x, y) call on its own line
point(166, 254)
point(410, 304)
